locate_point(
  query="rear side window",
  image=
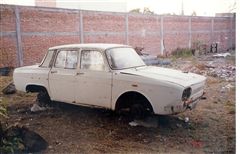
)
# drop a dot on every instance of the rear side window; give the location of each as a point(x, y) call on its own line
point(67, 59)
point(47, 59)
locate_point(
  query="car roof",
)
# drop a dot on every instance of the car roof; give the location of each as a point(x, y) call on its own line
point(102, 46)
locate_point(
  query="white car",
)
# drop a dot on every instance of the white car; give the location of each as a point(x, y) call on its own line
point(110, 76)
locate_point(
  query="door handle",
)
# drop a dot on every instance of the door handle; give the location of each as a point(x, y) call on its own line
point(53, 72)
point(79, 73)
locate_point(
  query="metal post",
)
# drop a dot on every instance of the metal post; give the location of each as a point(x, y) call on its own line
point(212, 30)
point(81, 27)
point(190, 32)
point(161, 35)
point(231, 33)
point(126, 30)
point(19, 39)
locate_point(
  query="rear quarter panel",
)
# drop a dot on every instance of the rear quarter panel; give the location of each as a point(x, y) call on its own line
point(30, 75)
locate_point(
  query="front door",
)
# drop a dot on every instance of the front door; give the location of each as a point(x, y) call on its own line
point(93, 86)
point(62, 76)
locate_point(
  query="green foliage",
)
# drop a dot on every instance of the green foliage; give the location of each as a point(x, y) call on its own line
point(194, 13)
point(146, 10)
point(182, 52)
point(3, 104)
point(11, 146)
point(135, 10)
point(3, 112)
point(197, 44)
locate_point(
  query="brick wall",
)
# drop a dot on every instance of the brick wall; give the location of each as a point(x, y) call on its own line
point(27, 32)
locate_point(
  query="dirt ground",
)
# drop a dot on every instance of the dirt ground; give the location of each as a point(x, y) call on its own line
point(74, 129)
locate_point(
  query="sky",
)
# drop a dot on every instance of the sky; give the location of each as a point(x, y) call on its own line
point(201, 7)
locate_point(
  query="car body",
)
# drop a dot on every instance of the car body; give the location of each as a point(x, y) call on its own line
point(111, 76)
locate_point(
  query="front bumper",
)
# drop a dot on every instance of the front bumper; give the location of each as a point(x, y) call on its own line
point(191, 103)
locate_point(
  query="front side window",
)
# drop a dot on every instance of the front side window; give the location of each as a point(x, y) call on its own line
point(66, 59)
point(92, 60)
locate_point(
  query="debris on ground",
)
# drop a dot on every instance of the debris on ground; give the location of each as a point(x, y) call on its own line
point(149, 122)
point(164, 61)
point(197, 144)
point(9, 89)
point(36, 108)
point(186, 119)
point(215, 68)
point(227, 72)
point(179, 125)
point(133, 123)
point(154, 60)
point(150, 59)
point(23, 139)
point(5, 71)
point(222, 55)
point(228, 87)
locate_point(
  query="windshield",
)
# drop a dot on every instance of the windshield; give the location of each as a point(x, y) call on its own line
point(122, 58)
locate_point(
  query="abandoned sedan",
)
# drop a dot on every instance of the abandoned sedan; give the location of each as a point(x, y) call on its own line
point(110, 76)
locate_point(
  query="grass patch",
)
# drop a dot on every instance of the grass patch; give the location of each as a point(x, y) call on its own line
point(230, 106)
point(182, 52)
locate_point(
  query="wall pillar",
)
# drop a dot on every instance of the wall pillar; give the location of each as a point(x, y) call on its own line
point(161, 35)
point(126, 29)
point(81, 32)
point(190, 32)
point(19, 39)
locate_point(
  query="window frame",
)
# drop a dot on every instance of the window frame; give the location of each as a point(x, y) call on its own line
point(92, 49)
point(109, 63)
point(66, 49)
point(51, 61)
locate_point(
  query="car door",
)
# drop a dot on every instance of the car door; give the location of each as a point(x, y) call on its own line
point(93, 86)
point(62, 76)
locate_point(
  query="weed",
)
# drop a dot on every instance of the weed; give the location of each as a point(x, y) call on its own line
point(230, 107)
point(11, 146)
point(3, 112)
point(182, 52)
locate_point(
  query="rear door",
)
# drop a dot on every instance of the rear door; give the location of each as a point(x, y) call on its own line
point(62, 76)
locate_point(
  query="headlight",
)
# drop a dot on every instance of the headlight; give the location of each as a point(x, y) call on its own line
point(186, 94)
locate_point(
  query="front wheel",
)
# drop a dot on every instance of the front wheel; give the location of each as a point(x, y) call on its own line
point(138, 111)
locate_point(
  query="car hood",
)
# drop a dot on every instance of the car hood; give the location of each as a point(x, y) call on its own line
point(165, 74)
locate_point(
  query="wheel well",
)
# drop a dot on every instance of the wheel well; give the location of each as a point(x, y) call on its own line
point(35, 88)
point(129, 98)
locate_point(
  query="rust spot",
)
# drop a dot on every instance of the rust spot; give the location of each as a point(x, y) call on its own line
point(134, 85)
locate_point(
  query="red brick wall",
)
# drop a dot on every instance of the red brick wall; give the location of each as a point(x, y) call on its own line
point(41, 28)
point(175, 32)
point(103, 27)
point(144, 31)
point(8, 48)
point(45, 28)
